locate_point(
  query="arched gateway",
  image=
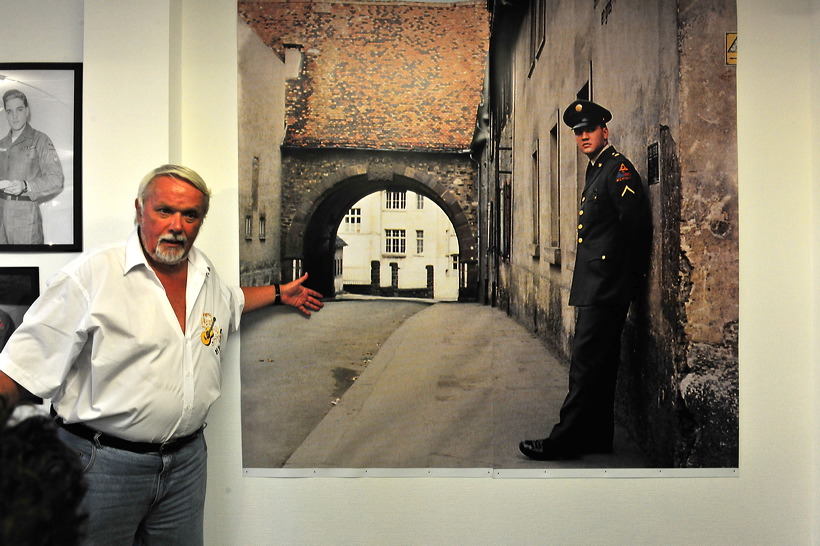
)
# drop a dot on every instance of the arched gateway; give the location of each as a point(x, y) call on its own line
point(311, 235)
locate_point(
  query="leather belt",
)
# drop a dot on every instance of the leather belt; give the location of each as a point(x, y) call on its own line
point(88, 433)
point(10, 197)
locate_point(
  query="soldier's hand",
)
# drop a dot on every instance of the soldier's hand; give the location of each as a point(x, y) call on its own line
point(15, 187)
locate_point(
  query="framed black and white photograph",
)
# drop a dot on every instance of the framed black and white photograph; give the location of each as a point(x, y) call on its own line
point(41, 157)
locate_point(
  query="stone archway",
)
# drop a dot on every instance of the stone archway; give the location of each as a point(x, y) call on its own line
point(311, 236)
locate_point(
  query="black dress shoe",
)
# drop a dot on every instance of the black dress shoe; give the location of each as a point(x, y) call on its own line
point(546, 450)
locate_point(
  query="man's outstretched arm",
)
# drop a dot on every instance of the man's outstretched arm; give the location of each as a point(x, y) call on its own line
point(292, 293)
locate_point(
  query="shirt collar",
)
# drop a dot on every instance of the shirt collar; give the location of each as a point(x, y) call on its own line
point(134, 256)
point(597, 157)
point(24, 134)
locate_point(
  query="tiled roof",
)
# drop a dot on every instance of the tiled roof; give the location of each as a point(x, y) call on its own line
point(379, 75)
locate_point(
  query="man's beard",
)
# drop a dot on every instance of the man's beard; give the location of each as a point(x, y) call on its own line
point(170, 256)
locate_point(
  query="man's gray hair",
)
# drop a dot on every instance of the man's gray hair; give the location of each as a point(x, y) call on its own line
point(180, 173)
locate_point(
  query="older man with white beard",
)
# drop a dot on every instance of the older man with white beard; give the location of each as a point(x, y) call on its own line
point(126, 341)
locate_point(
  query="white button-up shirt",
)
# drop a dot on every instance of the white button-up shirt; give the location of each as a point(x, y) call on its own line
point(104, 345)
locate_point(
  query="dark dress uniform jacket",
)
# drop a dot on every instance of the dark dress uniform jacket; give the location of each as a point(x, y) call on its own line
point(614, 233)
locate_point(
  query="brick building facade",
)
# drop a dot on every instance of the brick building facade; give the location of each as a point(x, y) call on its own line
point(378, 95)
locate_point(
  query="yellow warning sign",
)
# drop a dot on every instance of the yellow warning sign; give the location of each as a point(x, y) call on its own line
point(731, 48)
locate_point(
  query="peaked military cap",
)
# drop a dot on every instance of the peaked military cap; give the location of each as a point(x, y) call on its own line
point(584, 113)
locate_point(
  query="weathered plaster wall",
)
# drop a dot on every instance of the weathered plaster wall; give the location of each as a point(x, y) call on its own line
point(660, 68)
point(709, 232)
point(261, 117)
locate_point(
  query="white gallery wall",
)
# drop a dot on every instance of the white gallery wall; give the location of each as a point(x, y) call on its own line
point(160, 85)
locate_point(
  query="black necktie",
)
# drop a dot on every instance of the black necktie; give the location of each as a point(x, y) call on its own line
point(591, 170)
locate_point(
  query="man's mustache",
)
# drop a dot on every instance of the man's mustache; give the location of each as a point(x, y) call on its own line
point(180, 238)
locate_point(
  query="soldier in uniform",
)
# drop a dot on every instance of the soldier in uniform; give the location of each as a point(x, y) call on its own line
point(614, 233)
point(30, 170)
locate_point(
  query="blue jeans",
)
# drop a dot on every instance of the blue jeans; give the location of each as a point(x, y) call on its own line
point(149, 498)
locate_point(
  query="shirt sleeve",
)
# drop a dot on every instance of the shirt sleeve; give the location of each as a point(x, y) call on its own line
point(627, 193)
point(237, 305)
point(49, 179)
point(41, 351)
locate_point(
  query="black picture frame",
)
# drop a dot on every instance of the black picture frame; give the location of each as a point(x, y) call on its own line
point(54, 96)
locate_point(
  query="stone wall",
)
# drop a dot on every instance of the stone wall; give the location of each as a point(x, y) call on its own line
point(304, 169)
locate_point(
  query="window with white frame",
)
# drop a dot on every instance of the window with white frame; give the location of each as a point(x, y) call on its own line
point(419, 241)
point(395, 241)
point(263, 222)
point(353, 221)
point(395, 200)
point(419, 201)
point(248, 227)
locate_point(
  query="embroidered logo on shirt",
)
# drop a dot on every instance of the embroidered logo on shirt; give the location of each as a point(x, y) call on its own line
point(211, 335)
point(624, 173)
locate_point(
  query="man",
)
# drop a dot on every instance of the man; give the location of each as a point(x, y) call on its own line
point(614, 232)
point(29, 171)
point(126, 341)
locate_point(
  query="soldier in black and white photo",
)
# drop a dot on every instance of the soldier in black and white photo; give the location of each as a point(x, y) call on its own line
point(30, 170)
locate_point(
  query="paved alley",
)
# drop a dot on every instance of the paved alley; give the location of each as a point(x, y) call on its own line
point(449, 386)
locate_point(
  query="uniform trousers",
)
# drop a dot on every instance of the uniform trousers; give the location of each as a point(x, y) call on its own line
point(587, 417)
point(143, 498)
point(22, 223)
